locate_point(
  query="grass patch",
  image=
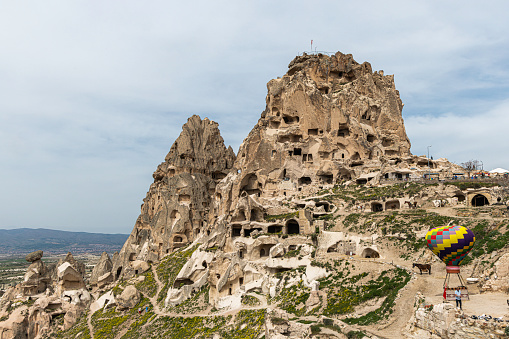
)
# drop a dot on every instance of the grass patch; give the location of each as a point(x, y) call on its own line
point(169, 268)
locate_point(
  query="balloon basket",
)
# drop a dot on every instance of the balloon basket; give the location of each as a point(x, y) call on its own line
point(449, 291)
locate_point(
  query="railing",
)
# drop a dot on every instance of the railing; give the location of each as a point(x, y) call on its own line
point(499, 180)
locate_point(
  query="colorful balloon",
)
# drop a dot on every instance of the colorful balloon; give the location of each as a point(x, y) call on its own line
point(450, 243)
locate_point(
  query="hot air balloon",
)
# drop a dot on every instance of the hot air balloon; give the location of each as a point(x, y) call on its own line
point(451, 244)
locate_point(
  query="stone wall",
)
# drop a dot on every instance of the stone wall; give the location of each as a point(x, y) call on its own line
point(445, 321)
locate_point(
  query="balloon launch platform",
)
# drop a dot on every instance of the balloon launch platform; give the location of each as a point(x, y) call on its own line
point(451, 244)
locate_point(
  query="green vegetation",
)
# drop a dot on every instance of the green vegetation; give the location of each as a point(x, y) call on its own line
point(248, 324)
point(293, 299)
point(365, 193)
point(315, 329)
point(148, 286)
point(292, 253)
point(12, 270)
point(197, 303)
point(355, 335)
point(79, 330)
point(487, 240)
point(399, 226)
point(249, 300)
point(282, 216)
point(108, 322)
point(169, 268)
point(463, 185)
point(382, 286)
point(345, 291)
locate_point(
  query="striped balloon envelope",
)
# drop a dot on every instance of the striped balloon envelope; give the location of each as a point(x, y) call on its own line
point(450, 243)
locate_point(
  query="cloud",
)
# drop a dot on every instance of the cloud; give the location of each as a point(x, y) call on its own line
point(93, 94)
point(462, 137)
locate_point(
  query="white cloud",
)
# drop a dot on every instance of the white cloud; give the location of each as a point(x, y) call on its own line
point(461, 137)
point(92, 94)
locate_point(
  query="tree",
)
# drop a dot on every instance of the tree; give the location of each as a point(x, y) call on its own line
point(471, 166)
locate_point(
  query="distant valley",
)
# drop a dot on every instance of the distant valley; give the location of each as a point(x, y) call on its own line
point(16, 242)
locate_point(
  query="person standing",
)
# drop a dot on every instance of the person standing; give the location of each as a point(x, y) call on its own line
point(457, 293)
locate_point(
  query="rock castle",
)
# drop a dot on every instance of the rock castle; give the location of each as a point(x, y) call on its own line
point(271, 217)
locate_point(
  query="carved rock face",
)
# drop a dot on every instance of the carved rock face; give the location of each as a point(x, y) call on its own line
point(325, 120)
point(175, 210)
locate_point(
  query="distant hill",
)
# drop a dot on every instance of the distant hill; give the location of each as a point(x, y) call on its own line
point(25, 240)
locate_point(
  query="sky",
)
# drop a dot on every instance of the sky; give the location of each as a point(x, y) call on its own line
point(94, 93)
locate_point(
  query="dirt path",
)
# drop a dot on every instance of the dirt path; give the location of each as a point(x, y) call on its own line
point(89, 323)
point(403, 311)
point(153, 300)
point(125, 329)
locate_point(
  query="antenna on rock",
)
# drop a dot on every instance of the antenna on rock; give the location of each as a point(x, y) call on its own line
point(311, 46)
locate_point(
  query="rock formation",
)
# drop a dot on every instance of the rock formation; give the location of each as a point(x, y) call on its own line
point(175, 210)
point(101, 274)
point(37, 276)
point(282, 216)
point(57, 290)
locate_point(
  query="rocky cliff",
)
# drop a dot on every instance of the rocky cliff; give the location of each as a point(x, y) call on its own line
point(175, 211)
point(311, 230)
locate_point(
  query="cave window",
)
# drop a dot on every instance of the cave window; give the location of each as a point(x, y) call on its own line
point(305, 181)
point(241, 254)
point(292, 227)
point(296, 138)
point(274, 229)
point(297, 151)
point(119, 271)
point(241, 281)
point(376, 207)
point(230, 291)
point(371, 138)
point(342, 155)
point(344, 132)
point(236, 231)
point(274, 124)
point(177, 239)
point(262, 253)
point(325, 205)
point(204, 264)
point(274, 153)
point(253, 215)
point(313, 131)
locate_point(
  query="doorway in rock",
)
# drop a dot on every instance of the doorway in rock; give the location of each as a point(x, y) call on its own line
point(370, 253)
point(376, 207)
point(479, 200)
